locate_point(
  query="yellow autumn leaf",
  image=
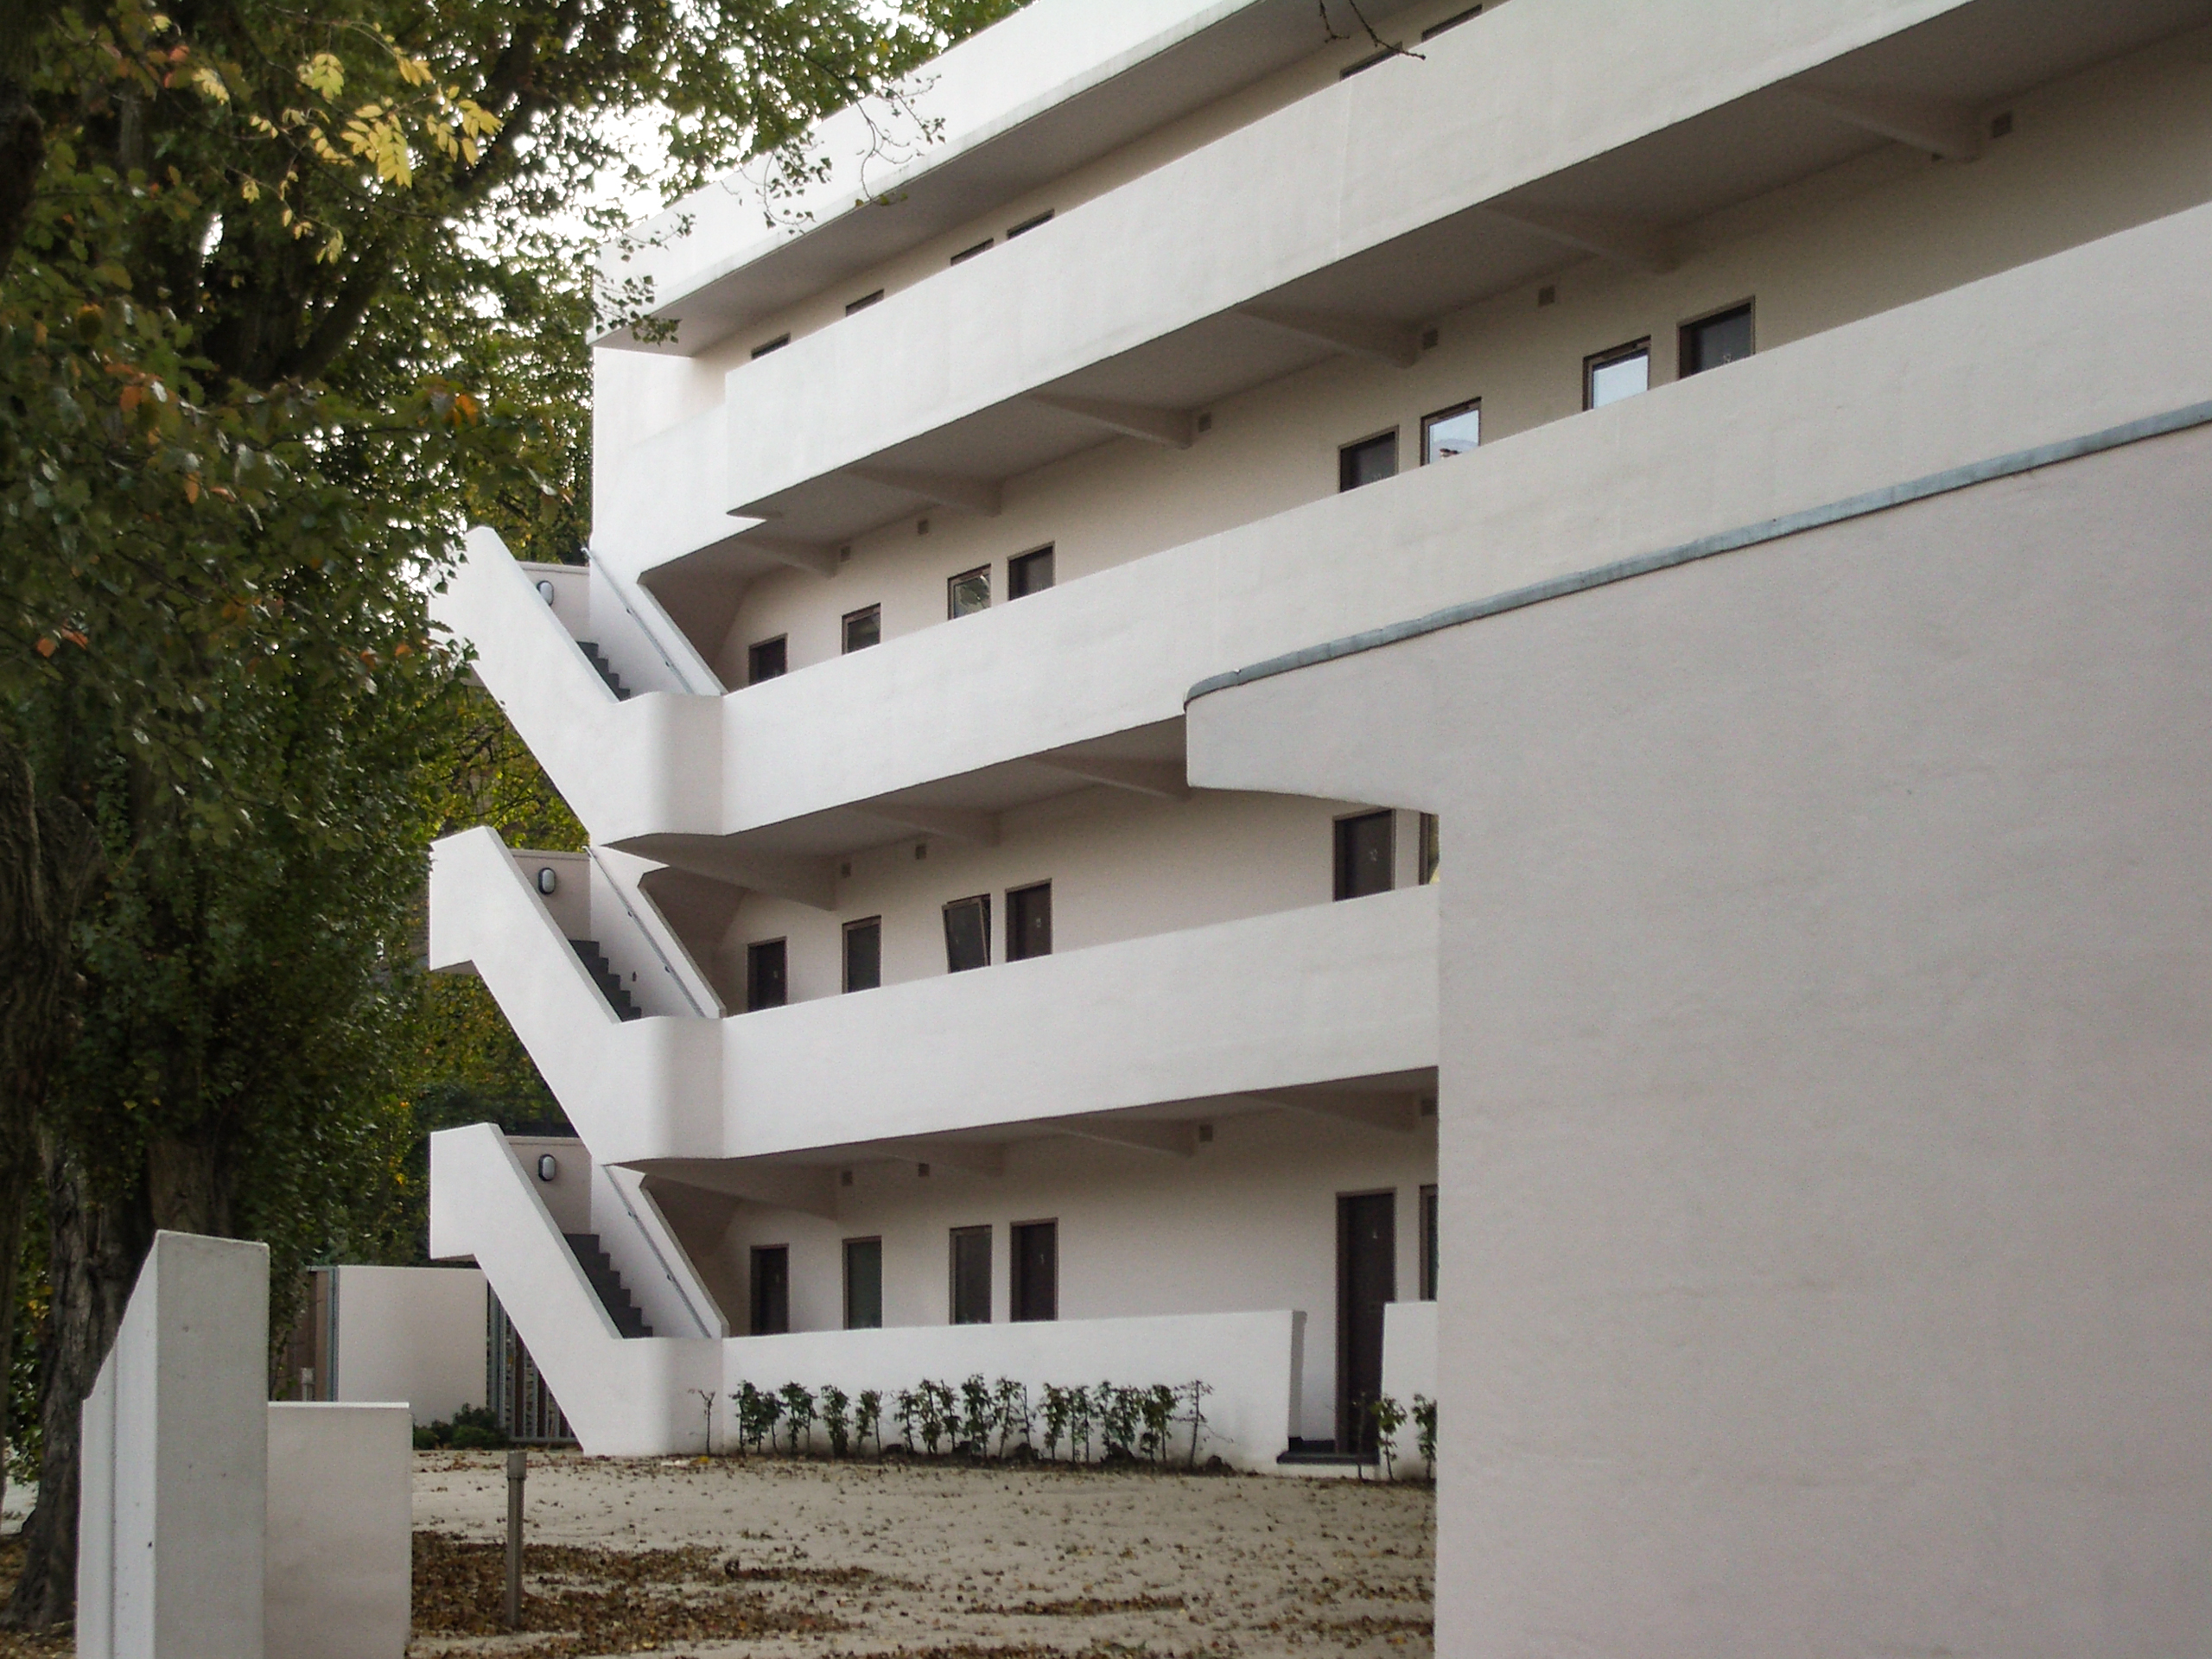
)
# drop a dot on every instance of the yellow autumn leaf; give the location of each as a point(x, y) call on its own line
point(250, 189)
point(324, 74)
point(211, 85)
point(415, 71)
point(328, 254)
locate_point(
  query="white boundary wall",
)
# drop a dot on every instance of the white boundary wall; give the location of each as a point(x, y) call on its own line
point(340, 1563)
point(410, 1334)
point(170, 1527)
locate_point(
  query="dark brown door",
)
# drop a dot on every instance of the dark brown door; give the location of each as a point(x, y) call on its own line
point(772, 1290)
point(1036, 1270)
point(971, 1276)
point(1367, 1280)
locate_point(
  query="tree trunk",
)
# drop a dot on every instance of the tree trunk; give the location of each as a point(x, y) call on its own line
point(12, 1194)
point(99, 1242)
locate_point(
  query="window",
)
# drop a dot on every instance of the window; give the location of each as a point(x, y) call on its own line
point(1363, 861)
point(1036, 1270)
point(967, 933)
point(772, 1290)
point(971, 1276)
point(765, 986)
point(1368, 461)
point(863, 302)
point(1452, 22)
point(768, 346)
point(1428, 1243)
point(983, 246)
point(863, 1284)
point(969, 591)
point(1431, 848)
point(864, 954)
point(768, 660)
point(1452, 431)
point(1721, 337)
point(1030, 573)
point(864, 628)
point(1029, 921)
point(1367, 63)
point(1030, 224)
point(1608, 377)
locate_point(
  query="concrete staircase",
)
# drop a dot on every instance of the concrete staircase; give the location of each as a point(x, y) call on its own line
point(614, 1295)
point(603, 975)
point(598, 658)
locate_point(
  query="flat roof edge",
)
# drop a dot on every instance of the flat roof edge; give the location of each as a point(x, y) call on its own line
point(1705, 547)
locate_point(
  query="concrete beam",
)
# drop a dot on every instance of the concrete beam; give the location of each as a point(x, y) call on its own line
point(1173, 427)
point(1399, 1114)
point(809, 1191)
point(1936, 125)
point(1162, 779)
point(1638, 243)
point(804, 879)
point(818, 556)
point(975, 1157)
point(976, 495)
point(1176, 1140)
point(1385, 342)
point(952, 823)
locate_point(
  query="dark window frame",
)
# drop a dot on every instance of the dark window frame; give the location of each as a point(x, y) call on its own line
point(952, 613)
point(768, 346)
point(966, 254)
point(753, 674)
point(1029, 561)
point(1030, 224)
point(852, 927)
point(1430, 856)
point(951, 905)
point(1428, 1204)
point(845, 1255)
point(1021, 1295)
point(1435, 418)
point(1342, 853)
point(757, 1323)
point(952, 1272)
point(1346, 451)
point(753, 949)
point(1011, 930)
point(863, 302)
point(1604, 359)
point(1685, 332)
point(845, 628)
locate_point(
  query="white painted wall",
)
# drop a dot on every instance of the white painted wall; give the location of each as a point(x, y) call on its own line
point(1824, 1042)
point(170, 1520)
point(412, 1334)
point(339, 1578)
point(1409, 1370)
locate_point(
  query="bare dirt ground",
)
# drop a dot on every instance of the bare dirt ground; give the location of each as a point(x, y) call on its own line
point(774, 1558)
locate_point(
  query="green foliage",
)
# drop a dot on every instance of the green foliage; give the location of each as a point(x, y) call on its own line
point(1425, 1427)
point(472, 1428)
point(868, 1420)
point(835, 1420)
point(1389, 1416)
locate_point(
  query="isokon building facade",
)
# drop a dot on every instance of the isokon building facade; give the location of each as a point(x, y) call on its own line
point(1293, 673)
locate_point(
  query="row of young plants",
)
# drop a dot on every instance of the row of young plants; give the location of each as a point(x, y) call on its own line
point(1107, 1422)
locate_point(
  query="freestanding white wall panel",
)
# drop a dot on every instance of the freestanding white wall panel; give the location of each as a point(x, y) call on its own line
point(412, 1334)
point(170, 1533)
point(341, 1517)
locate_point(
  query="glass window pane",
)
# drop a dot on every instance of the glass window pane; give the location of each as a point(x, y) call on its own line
point(1029, 921)
point(971, 1276)
point(764, 975)
point(1616, 375)
point(967, 934)
point(1030, 574)
point(863, 1284)
point(864, 628)
point(766, 660)
point(1723, 339)
point(864, 954)
point(1450, 432)
point(1036, 1257)
point(1363, 860)
point(969, 591)
point(1367, 462)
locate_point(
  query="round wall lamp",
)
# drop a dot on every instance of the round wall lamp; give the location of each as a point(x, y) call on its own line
point(548, 880)
point(548, 1167)
point(545, 591)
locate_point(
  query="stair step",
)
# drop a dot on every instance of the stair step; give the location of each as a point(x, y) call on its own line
point(610, 982)
point(614, 1295)
point(598, 659)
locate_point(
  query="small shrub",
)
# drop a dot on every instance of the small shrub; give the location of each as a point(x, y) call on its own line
point(758, 1412)
point(1389, 1417)
point(1118, 1410)
point(1083, 1416)
point(798, 1415)
point(868, 1420)
point(1424, 1426)
point(1010, 1409)
point(977, 1414)
point(1156, 1412)
point(1058, 1413)
point(834, 1423)
point(909, 1409)
point(939, 1413)
point(1193, 1396)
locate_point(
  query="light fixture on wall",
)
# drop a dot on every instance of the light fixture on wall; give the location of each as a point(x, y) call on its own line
point(547, 1165)
point(545, 591)
point(548, 880)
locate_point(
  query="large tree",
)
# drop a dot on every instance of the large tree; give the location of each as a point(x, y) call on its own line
point(286, 298)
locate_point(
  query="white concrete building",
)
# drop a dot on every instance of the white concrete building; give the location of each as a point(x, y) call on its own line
point(977, 1029)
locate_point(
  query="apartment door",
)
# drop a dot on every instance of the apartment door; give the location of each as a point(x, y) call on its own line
point(1367, 1280)
point(771, 1289)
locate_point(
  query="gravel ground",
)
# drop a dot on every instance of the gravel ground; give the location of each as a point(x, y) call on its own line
point(770, 1557)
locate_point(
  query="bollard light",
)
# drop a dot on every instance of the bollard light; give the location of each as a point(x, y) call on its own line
point(518, 1470)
